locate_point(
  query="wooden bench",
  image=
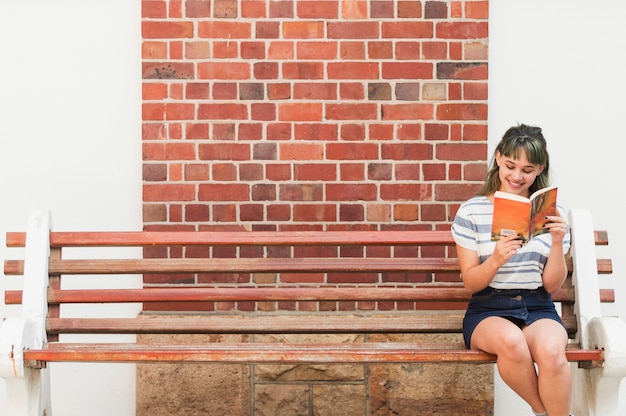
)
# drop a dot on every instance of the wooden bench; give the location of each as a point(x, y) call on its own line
point(359, 282)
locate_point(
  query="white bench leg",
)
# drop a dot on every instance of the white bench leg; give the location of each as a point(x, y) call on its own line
point(596, 391)
point(28, 389)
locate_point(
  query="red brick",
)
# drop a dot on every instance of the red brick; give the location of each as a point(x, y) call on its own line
point(251, 212)
point(475, 132)
point(351, 112)
point(278, 172)
point(197, 91)
point(352, 132)
point(166, 30)
point(412, 30)
point(351, 192)
point(303, 70)
point(225, 91)
point(351, 213)
point(167, 111)
point(317, 9)
point(263, 111)
point(314, 212)
point(300, 112)
point(278, 213)
point(354, 9)
point(379, 171)
point(154, 9)
point(153, 91)
point(168, 192)
point(405, 192)
point(224, 192)
point(195, 213)
point(225, 50)
point(225, 9)
point(434, 171)
point(433, 212)
point(317, 50)
point(407, 151)
point(352, 171)
point(380, 131)
point(225, 213)
point(281, 50)
point(301, 192)
point(351, 91)
point(279, 91)
point(409, 172)
point(196, 172)
point(475, 91)
point(253, 9)
point(353, 70)
point(303, 30)
point(252, 50)
point(223, 70)
point(315, 91)
point(477, 10)
point(301, 151)
point(351, 151)
point(407, 111)
point(407, 70)
point(353, 30)
point(466, 111)
point(222, 112)
point(224, 151)
point(352, 51)
point(316, 131)
point(462, 30)
point(224, 172)
point(154, 50)
point(265, 70)
point(380, 50)
point(278, 131)
point(315, 172)
point(405, 212)
point(169, 151)
point(263, 192)
point(409, 131)
point(281, 8)
point(214, 29)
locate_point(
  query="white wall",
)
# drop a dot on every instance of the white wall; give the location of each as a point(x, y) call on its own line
point(70, 137)
point(70, 127)
point(558, 64)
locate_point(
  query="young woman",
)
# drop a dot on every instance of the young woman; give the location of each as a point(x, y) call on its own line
point(511, 313)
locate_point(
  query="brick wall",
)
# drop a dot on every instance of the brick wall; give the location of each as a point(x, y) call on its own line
point(327, 114)
point(331, 114)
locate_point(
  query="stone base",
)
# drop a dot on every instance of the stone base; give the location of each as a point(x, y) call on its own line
point(320, 390)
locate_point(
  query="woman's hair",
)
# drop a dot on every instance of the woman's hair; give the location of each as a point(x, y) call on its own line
point(531, 140)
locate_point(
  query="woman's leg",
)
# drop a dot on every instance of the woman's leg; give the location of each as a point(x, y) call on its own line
point(547, 340)
point(515, 362)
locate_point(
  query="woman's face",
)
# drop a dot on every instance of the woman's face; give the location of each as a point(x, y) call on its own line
point(517, 175)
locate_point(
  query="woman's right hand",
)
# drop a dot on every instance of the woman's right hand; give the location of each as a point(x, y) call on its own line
point(506, 247)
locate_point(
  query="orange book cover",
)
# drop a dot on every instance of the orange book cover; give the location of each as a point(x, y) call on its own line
point(514, 214)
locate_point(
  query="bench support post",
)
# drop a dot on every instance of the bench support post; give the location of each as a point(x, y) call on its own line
point(596, 390)
point(28, 389)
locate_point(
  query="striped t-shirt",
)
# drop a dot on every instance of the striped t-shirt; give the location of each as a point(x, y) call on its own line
point(472, 230)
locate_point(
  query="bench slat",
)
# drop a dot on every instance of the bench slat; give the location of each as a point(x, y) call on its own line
point(269, 324)
point(124, 266)
point(151, 238)
point(234, 294)
point(278, 353)
point(239, 238)
point(198, 294)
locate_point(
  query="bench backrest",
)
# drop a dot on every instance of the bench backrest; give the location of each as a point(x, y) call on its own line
point(277, 276)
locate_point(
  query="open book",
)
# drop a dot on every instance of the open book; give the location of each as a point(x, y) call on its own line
point(514, 214)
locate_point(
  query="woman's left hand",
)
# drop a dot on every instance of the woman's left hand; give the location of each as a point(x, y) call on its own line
point(557, 227)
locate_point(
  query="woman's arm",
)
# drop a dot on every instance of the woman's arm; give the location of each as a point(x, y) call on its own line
point(555, 270)
point(477, 276)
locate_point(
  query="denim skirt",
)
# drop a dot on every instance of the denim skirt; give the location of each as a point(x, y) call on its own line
point(520, 306)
